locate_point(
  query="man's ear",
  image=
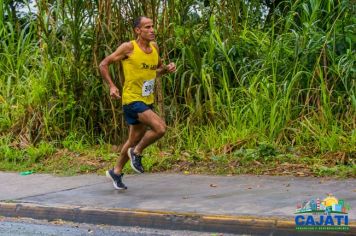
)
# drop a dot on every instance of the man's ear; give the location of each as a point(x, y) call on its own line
point(137, 30)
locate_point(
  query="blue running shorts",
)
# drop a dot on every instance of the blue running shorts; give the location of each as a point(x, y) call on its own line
point(131, 111)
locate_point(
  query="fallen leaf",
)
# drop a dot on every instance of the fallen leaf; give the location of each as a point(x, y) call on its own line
point(186, 154)
point(58, 222)
point(257, 163)
point(213, 185)
point(186, 172)
point(161, 154)
point(115, 148)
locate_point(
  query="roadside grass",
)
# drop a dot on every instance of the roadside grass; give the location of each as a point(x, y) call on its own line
point(242, 156)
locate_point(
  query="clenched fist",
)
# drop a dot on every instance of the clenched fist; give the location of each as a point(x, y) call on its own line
point(114, 92)
point(171, 67)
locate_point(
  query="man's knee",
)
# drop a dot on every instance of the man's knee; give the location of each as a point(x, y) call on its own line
point(161, 129)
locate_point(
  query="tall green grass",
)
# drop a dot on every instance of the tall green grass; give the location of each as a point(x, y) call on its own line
point(274, 85)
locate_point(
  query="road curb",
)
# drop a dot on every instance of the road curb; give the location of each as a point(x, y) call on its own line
point(255, 225)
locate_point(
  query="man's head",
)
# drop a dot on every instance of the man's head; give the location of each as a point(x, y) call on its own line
point(143, 27)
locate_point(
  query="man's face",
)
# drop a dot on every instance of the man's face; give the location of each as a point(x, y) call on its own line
point(145, 29)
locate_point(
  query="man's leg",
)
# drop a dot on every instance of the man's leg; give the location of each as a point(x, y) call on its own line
point(136, 132)
point(158, 129)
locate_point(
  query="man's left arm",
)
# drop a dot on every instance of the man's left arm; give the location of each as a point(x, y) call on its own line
point(161, 68)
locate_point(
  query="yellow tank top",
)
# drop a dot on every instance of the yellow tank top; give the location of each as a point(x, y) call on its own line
point(140, 73)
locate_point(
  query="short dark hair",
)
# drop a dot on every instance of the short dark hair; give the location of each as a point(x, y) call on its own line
point(136, 23)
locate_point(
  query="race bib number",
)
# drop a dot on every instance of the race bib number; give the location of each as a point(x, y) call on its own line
point(147, 88)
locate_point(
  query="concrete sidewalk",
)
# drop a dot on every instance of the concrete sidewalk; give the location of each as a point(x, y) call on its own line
point(262, 205)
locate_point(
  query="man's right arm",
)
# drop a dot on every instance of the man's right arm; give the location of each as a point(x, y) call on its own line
point(121, 53)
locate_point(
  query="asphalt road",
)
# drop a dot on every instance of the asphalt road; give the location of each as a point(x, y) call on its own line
point(29, 227)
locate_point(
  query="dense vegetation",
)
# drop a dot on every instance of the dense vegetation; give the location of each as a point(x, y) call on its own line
point(261, 86)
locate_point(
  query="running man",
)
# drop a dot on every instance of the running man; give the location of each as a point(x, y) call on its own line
point(141, 64)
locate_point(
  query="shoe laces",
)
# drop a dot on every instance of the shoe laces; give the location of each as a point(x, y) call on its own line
point(118, 177)
point(139, 158)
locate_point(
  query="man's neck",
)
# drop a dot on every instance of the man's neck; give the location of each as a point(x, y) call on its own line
point(143, 43)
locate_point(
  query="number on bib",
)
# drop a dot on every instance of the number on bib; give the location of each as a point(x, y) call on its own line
point(148, 87)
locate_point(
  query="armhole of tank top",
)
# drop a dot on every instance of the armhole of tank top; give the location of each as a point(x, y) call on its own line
point(134, 44)
point(133, 49)
point(153, 47)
